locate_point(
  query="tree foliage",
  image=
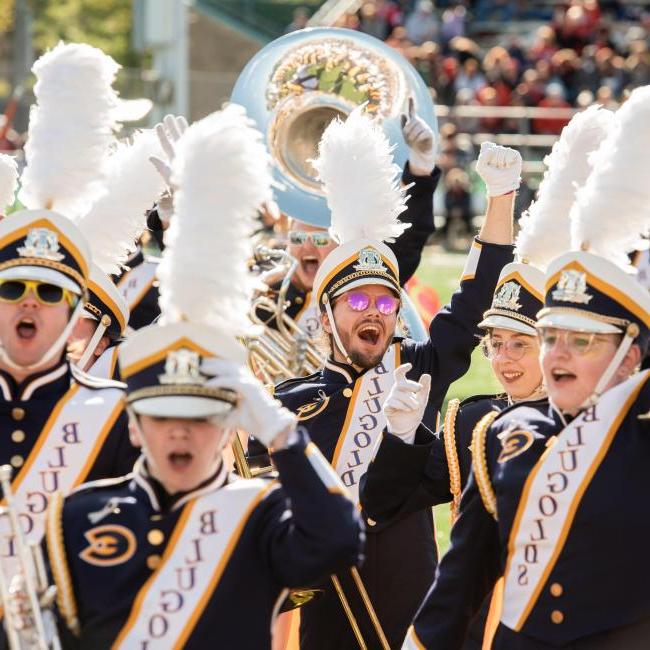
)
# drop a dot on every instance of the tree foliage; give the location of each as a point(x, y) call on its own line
point(106, 24)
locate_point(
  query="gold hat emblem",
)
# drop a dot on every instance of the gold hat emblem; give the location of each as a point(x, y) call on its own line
point(572, 287)
point(41, 243)
point(182, 367)
point(507, 297)
point(370, 260)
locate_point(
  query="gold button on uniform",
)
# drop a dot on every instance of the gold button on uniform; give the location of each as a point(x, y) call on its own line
point(347, 392)
point(155, 537)
point(557, 616)
point(17, 461)
point(153, 561)
point(371, 522)
point(18, 435)
point(299, 300)
point(156, 517)
point(17, 413)
point(556, 589)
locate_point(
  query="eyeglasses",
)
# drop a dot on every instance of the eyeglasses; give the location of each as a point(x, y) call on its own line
point(318, 239)
point(513, 349)
point(386, 304)
point(46, 294)
point(578, 343)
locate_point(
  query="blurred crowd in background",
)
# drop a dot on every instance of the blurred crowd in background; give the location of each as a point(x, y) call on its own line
point(509, 53)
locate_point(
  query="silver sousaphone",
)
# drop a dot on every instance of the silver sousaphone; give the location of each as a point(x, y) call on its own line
point(296, 85)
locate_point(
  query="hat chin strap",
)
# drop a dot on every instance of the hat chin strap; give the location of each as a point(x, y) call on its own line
point(631, 333)
point(89, 350)
point(55, 348)
point(335, 334)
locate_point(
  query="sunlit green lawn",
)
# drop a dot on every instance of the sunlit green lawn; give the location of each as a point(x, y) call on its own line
point(442, 271)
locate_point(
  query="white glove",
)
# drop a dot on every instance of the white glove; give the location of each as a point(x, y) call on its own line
point(405, 404)
point(421, 141)
point(165, 206)
point(169, 132)
point(500, 168)
point(257, 412)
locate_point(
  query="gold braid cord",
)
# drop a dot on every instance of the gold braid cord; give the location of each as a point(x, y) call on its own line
point(449, 436)
point(59, 563)
point(479, 463)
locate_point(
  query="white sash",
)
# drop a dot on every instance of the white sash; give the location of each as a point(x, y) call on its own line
point(552, 495)
point(364, 421)
point(308, 318)
point(134, 284)
point(104, 366)
point(171, 602)
point(60, 460)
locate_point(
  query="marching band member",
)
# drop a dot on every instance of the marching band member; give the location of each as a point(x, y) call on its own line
point(409, 474)
point(111, 226)
point(100, 328)
point(61, 426)
point(357, 288)
point(310, 244)
point(180, 547)
point(539, 508)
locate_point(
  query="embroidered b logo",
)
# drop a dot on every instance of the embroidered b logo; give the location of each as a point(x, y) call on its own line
point(108, 545)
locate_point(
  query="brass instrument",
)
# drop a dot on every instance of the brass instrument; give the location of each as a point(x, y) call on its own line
point(288, 351)
point(34, 584)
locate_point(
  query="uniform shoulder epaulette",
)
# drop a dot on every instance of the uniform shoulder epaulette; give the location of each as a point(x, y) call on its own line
point(453, 464)
point(65, 598)
point(99, 484)
point(479, 462)
point(295, 381)
point(91, 381)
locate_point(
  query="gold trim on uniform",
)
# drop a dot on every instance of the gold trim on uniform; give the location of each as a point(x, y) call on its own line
point(361, 274)
point(479, 463)
point(59, 563)
point(510, 314)
point(39, 261)
point(573, 311)
point(449, 436)
point(176, 390)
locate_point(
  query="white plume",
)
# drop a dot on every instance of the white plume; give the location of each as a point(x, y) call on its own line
point(8, 181)
point(545, 227)
point(70, 129)
point(116, 220)
point(222, 175)
point(361, 181)
point(612, 210)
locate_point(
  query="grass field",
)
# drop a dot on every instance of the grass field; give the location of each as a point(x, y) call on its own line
point(442, 271)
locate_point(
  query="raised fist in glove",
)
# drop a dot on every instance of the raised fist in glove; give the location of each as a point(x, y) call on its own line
point(169, 132)
point(405, 404)
point(257, 412)
point(421, 141)
point(500, 168)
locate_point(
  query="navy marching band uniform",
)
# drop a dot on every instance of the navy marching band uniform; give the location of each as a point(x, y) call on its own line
point(538, 513)
point(404, 477)
point(173, 569)
point(401, 553)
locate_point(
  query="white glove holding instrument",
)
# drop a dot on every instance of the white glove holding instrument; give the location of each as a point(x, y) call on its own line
point(404, 407)
point(500, 168)
point(169, 132)
point(257, 412)
point(421, 141)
